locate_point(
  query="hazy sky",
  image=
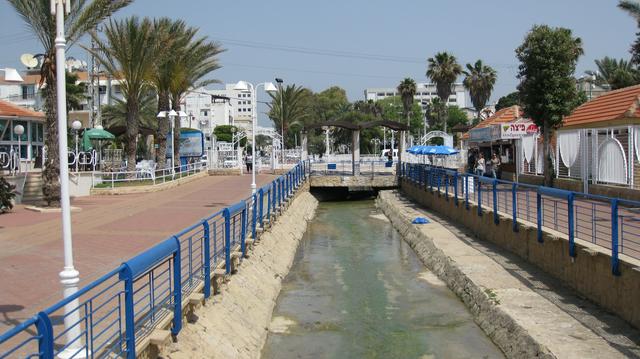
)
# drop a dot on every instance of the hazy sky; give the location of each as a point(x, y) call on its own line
point(366, 43)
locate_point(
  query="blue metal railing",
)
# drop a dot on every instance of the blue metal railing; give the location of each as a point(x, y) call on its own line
point(117, 311)
point(611, 223)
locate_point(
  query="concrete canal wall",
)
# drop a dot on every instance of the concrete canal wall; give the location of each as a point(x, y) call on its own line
point(234, 324)
point(589, 272)
point(516, 318)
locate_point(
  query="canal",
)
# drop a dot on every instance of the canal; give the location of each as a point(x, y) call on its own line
point(357, 290)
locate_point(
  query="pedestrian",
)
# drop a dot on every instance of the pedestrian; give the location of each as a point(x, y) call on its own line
point(471, 161)
point(248, 160)
point(495, 164)
point(480, 165)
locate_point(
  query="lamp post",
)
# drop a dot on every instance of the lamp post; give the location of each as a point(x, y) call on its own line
point(280, 81)
point(246, 86)
point(69, 277)
point(19, 130)
point(76, 125)
point(171, 115)
point(376, 142)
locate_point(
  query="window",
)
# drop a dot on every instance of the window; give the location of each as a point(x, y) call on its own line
point(102, 90)
point(117, 89)
point(381, 94)
point(249, 102)
point(28, 91)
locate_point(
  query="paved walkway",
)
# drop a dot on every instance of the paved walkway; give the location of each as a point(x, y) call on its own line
point(107, 231)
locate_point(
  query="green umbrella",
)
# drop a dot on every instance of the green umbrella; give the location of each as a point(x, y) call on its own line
point(95, 134)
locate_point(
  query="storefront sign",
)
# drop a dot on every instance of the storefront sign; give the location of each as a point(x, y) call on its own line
point(480, 134)
point(512, 131)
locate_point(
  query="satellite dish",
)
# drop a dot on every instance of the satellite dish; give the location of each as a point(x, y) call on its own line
point(29, 61)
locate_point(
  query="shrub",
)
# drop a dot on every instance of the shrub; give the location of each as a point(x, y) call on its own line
point(7, 193)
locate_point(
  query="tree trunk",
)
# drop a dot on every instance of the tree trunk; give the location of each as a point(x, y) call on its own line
point(132, 135)
point(163, 130)
point(548, 165)
point(51, 171)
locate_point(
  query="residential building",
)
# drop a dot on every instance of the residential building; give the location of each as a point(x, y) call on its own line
point(242, 104)
point(30, 142)
point(424, 94)
point(590, 88)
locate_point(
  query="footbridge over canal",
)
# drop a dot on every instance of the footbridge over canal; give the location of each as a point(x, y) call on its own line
point(357, 174)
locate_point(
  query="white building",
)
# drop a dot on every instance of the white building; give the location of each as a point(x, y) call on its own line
point(219, 107)
point(424, 93)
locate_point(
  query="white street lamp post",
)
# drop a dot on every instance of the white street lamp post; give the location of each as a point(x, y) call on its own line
point(69, 277)
point(76, 125)
point(19, 130)
point(246, 86)
point(171, 115)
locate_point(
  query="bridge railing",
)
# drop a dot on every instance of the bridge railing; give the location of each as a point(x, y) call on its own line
point(611, 223)
point(115, 313)
point(364, 167)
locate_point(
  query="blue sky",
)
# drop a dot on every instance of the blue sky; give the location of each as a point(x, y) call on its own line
point(406, 32)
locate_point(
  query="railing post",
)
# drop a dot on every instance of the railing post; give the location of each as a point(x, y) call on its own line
point(455, 187)
point(496, 218)
point(479, 197)
point(261, 207)
point(514, 205)
point(177, 290)
point(243, 231)
point(446, 186)
point(570, 224)
point(539, 215)
point(254, 216)
point(129, 329)
point(615, 264)
point(466, 191)
point(207, 259)
point(45, 336)
point(227, 240)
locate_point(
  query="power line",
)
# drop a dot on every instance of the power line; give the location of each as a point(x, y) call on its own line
point(310, 71)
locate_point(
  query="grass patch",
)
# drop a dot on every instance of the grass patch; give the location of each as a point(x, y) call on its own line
point(492, 296)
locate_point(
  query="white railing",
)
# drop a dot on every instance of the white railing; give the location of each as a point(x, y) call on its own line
point(145, 174)
point(10, 161)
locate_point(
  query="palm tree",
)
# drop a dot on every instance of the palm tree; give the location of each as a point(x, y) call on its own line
point(190, 65)
point(615, 73)
point(288, 108)
point(85, 15)
point(407, 90)
point(127, 54)
point(174, 37)
point(479, 81)
point(443, 69)
point(632, 7)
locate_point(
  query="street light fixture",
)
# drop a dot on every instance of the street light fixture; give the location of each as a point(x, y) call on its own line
point(76, 125)
point(19, 130)
point(247, 86)
point(12, 75)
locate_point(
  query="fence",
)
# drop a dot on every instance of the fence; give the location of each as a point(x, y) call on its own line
point(611, 223)
point(147, 174)
point(111, 316)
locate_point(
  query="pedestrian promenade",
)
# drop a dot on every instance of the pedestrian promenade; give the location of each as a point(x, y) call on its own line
point(106, 231)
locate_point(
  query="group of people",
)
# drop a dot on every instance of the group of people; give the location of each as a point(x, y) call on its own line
point(478, 165)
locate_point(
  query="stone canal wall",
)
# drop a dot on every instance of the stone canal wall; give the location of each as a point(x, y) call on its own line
point(234, 323)
point(520, 321)
point(589, 272)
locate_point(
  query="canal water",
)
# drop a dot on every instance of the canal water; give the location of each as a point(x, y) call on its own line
point(357, 290)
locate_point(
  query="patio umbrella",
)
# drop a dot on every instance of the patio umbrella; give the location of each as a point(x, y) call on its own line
point(95, 134)
point(442, 151)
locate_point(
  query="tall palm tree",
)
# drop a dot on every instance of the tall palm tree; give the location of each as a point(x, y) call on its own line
point(85, 15)
point(632, 7)
point(615, 73)
point(407, 90)
point(288, 108)
point(174, 35)
point(443, 69)
point(127, 53)
point(196, 60)
point(479, 81)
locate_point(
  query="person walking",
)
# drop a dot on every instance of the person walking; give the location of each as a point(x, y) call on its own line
point(495, 165)
point(480, 165)
point(248, 160)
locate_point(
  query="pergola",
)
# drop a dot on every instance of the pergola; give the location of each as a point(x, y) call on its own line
point(355, 130)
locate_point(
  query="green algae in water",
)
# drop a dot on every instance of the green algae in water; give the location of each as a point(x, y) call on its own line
point(356, 291)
